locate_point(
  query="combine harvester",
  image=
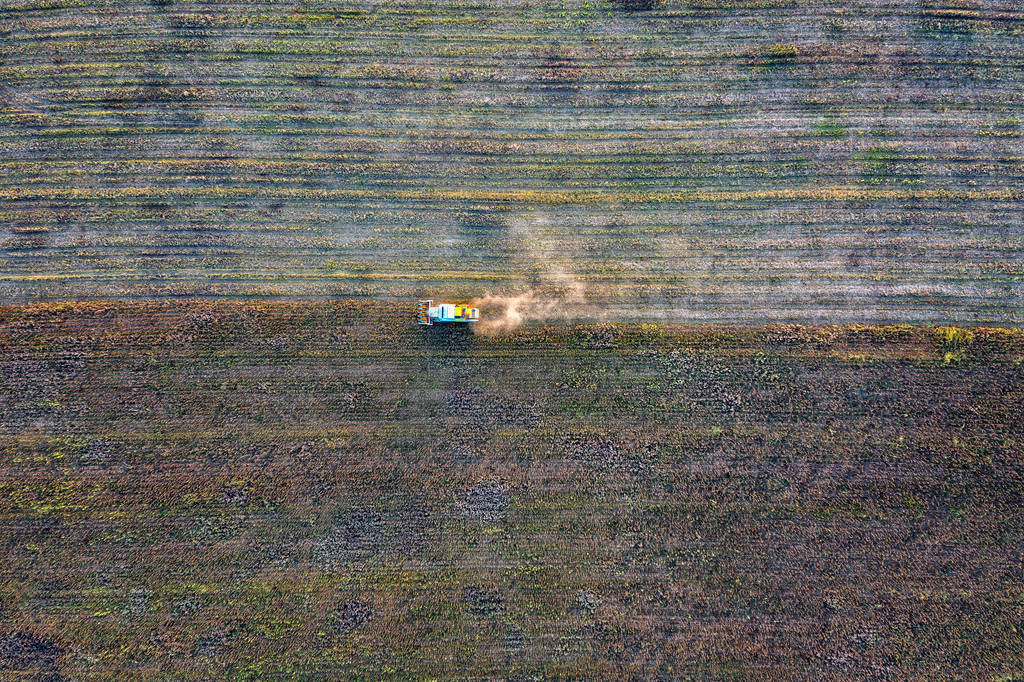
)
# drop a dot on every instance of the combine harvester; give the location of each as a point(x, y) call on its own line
point(446, 312)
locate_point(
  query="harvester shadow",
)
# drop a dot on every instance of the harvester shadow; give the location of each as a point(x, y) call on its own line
point(448, 337)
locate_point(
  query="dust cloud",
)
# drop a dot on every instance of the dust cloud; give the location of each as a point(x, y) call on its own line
point(562, 297)
point(556, 293)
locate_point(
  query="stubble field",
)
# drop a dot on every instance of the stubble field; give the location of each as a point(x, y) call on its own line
point(686, 160)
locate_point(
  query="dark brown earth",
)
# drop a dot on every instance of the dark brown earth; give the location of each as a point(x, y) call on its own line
point(323, 489)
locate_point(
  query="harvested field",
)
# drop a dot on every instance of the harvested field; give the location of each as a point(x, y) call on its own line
point(744, 400)
point(197, 489)
point(742, 160)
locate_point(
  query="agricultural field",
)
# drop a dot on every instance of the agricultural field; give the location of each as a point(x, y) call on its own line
point(322, 489)
point(744, 400)
point(685, 160)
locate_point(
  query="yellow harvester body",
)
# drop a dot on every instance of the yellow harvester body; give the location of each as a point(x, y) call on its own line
point(428, 313)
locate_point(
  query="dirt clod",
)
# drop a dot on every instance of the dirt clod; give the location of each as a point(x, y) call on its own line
point(585, 602)
point(486, 502)
point(215, 641)
point(354, 533)
point(187, 607)
point(515, 638)
point(611, 458)
point(483, 601)
point(353, 614)
point(138, 601)
point(25, 650)
point(235, 496)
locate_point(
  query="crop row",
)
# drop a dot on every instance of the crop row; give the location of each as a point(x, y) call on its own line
point(199, 489)
point(152, 149)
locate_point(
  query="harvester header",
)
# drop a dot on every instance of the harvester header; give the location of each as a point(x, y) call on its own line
point(446, 312)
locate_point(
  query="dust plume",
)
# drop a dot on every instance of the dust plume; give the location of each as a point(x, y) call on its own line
point(558, 296)
point(545, 252)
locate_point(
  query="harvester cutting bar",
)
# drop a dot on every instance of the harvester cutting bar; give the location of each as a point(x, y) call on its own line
point(424, 312)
